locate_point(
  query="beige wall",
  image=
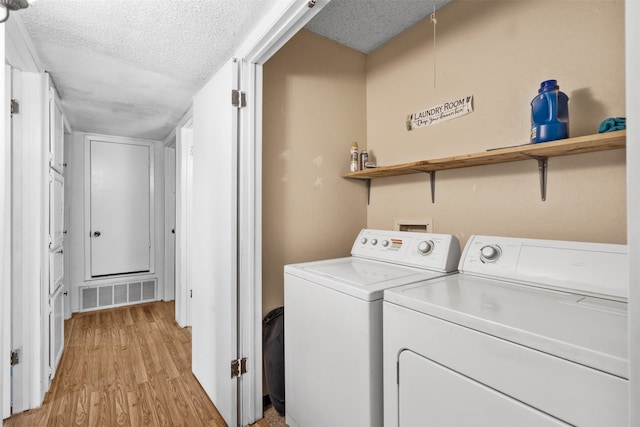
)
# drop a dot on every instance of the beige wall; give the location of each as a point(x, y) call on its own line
point(314, 106)
point(499, 52)
point(319, 96)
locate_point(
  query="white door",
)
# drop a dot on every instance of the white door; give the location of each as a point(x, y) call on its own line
point(120, 201)
point(56, 133)
point(56, 209)
point(214, 242)
point(65, 241)
point(170, 223)
point(56, 330)
point(56, 231)
point(5, 244)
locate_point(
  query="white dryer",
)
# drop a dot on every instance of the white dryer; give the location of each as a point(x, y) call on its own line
point(333, 324)
point(528, 333)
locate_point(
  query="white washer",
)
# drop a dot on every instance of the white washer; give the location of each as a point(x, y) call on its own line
point(528, 333)
point(333, 324)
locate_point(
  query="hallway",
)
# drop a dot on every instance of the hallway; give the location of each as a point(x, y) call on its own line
point(124, 366)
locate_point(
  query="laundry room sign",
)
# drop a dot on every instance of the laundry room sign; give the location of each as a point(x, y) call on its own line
point(452, 109)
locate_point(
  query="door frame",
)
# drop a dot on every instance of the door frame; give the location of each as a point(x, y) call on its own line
point(282, 23)
point(88, 138)
point(184, 144)
point(5, 237)
point(632, 62)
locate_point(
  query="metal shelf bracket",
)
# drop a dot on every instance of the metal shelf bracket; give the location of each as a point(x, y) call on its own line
point(542, 172)
point(432, 181)
point(368, 191)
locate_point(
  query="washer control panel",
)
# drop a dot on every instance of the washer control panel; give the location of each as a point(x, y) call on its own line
point(425, 247)
point(439, 252)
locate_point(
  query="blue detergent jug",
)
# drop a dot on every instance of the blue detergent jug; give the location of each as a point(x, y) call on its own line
point(549, 113)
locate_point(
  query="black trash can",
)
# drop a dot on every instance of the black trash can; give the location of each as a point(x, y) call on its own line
point(273, 351)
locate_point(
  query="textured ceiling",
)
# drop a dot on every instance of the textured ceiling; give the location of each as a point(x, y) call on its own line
point(131, 68)
point(365, 25)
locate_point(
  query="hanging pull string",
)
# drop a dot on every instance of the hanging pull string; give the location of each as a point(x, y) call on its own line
point(434, 21)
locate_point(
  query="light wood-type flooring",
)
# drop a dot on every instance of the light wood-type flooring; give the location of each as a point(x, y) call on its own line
point(128, 366)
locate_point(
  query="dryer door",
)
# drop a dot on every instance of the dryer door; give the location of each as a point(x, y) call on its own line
point(432, 394)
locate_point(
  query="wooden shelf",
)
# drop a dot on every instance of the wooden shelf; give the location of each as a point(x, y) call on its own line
point(540, 152)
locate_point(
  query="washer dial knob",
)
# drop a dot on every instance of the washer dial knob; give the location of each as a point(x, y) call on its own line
point(374, 242)
point(490, 253)
point(385, 243)
point(425, 247)
point(363, 240)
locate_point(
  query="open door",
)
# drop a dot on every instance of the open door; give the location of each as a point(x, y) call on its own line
point(213, 247)
point(5, 241)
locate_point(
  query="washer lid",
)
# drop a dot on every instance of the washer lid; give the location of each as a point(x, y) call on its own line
point(361, 278)
point(584, 329)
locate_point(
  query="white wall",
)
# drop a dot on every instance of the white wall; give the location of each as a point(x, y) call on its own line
point(74, 182)
point(170, 216)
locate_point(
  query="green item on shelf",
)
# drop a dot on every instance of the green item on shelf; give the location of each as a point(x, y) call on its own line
point(612, 124)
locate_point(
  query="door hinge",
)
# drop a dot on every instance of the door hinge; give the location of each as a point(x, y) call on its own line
point(15, 357)
point(15, 106)
point(238, 367)
point(238, 98)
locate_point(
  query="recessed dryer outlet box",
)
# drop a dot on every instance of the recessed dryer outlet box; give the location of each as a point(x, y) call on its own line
point(424, 225)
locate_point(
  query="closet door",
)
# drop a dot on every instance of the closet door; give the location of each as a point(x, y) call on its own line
point(56, 231)
point(120, 202)
point(56, 133)
point(56, 209)
point(56, 269)
point(56, 329)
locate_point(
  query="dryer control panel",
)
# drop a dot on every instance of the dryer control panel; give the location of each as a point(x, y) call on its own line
point(440, 252)
point(600, 269)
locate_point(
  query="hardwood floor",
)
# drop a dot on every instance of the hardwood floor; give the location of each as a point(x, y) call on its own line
point(126, 366)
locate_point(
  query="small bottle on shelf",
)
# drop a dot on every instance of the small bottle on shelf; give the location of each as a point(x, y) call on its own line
point(364, 158)
point(354, 157)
